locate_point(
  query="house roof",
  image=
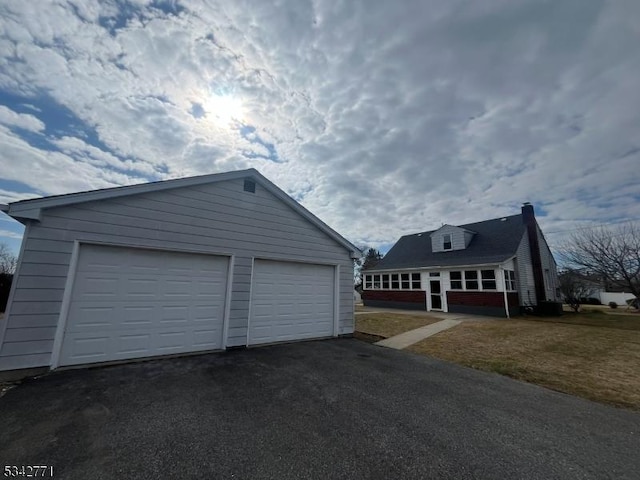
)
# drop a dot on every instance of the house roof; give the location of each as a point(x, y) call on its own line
point(31, 209)
point(495, 241)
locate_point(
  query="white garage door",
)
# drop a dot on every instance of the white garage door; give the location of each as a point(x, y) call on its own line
point(290, 301)
point(129, 303)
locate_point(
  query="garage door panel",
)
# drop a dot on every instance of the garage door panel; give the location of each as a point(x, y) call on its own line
point(290, 301)
point(129, 311)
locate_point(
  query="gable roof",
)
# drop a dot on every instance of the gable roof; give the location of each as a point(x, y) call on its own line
point(31, 209)
point(495, 241)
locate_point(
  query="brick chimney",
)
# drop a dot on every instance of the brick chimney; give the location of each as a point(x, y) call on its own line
point(529, 220)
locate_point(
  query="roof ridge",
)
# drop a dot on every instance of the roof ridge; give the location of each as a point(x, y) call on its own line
point(461, 226)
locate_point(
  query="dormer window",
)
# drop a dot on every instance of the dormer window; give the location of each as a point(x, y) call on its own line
point(446, 242)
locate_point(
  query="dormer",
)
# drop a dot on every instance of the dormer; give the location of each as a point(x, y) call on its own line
point(450, 237)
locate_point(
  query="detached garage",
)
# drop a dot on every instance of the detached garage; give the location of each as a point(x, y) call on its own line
point(188, 265)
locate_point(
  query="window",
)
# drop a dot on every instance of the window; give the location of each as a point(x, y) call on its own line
point(488, 279)
point(510, 280)
point(471, 280)
point(446, 241)
point(456, 280)
point(434, 274)
point(393, 281)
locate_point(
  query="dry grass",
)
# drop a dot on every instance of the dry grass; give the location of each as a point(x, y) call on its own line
point(387, 325)
point(597, 319)
point(599, 363)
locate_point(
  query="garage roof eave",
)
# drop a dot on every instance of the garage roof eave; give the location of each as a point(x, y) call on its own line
point(31, 209)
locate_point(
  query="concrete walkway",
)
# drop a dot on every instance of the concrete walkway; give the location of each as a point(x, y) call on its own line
point(414, 336)
point(447, 321)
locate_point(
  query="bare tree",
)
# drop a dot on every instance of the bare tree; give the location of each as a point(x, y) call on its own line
point(368, 260)
point(8, 260)
point(574, 288)
point(611, 253)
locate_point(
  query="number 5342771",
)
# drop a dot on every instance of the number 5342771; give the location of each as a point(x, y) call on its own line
point(27, 471)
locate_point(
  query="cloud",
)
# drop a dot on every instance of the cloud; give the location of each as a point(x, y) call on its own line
point(19, 120)
point(382, 118)
point(9, 234)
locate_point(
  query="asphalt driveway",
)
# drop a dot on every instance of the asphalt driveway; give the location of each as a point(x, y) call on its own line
point(326, 409)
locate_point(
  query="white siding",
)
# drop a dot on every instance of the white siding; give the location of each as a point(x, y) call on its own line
point(213, 218)
point(524, 273)
point(458, 240)
point(549, 270)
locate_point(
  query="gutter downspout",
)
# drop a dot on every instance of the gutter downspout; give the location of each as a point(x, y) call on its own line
point(504, 293)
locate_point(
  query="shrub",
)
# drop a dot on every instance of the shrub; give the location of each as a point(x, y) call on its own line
point(590, 301)
point(613, 304)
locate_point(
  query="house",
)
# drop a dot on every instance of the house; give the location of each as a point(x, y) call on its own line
point(357, 298)
point(187, 265)
point(495, 267)
point(595, 289)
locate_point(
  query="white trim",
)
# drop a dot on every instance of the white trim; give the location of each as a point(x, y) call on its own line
point(390, 282)
point(32, 208)
point(14, 285)
point(277, 258)
point(58, 339)
point(478, 279)
point(336, 302)
point(145, 246)
point(253, 261)
point(442, 295)
point(227, 303)
point(68, 289)
point(504, 291)
point(441, 267)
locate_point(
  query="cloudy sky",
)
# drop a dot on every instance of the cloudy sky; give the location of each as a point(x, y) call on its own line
point(383, 118)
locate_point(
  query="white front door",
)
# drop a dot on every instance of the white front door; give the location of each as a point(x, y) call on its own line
point(435, 294)
point(290, 301)
point(131, 302)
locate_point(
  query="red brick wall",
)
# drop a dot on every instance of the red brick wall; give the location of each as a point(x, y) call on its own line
point(481, 299)
point(408, 296)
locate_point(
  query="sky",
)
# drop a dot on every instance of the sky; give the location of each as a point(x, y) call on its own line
point(382, 118)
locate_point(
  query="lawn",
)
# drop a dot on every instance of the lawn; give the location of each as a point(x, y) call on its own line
point(377, 326)
point(578, 356)
point(599, 318)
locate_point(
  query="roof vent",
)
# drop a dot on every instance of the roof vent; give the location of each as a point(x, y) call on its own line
point(419, 234)
point(249, 186)
point(503, 219)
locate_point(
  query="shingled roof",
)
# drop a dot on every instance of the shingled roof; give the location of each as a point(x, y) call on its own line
point(494, 241)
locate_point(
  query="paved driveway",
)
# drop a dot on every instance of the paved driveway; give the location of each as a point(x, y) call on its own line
point(327, 409)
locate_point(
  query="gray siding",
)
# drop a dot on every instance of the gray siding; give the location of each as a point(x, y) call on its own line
point(524, 273)
point(217, 218)
point(549, 269)
point(458, 240)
